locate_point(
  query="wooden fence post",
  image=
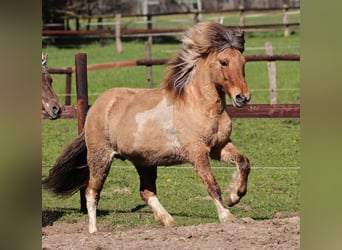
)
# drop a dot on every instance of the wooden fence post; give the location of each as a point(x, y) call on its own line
point(82, 105)
point(149, 22)
point(81, 89)
point(68, 87)
point(242, 15)
point(196, 17)
point(286, 21)
point(148, 48)
point(118, 33)
point(272, 74)
point(199, 10)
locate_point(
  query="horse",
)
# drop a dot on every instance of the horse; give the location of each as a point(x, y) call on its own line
point(51, 106)
point(185, 120)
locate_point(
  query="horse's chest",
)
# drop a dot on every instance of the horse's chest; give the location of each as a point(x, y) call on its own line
point(221, 130)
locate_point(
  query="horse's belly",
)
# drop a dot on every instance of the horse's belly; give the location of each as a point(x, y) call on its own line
point(152, 150)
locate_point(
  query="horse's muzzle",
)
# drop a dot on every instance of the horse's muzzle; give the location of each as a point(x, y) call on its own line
point(240, 100)
point(54, 110)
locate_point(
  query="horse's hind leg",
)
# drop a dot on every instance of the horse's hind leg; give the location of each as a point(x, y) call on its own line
point(99, 162)
point(148, 192)
point(238, 186)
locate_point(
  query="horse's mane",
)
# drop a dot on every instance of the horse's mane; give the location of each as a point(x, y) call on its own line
point(199, 41)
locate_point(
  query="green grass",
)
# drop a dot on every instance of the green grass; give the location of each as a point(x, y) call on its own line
point(272, 145)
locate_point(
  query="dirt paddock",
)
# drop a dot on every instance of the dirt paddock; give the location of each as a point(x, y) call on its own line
point(281, 232)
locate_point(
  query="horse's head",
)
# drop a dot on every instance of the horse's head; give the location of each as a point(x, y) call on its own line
point(227, 71)
point(221, 50)
point(50, 103)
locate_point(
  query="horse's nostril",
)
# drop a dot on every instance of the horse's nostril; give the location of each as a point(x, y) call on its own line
point(55, 110)
point(240, 98)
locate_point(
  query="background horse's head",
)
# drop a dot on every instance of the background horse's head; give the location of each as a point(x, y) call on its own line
point(50, 103)
point(222, 49)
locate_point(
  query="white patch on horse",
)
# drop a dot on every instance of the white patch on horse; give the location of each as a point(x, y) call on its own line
point(160, 212)
point(91, 206)
point(162, 118)
point(223, 213)
point(233, 187)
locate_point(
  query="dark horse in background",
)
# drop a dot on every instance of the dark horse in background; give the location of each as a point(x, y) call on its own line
point(51, 106)
point(184, 121)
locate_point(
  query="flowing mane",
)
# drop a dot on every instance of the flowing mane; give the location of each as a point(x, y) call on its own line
point(199, 41)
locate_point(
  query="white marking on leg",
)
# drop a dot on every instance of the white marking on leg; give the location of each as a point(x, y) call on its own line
point(160, 212)
point(223, 213)
point(91, 206)
point(233, 187)
point(234, 197)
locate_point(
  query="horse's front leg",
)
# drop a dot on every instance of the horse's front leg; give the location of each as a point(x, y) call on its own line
point(238, 187)
point(203, 170)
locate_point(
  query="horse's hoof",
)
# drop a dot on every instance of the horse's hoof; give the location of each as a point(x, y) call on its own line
point(92, 229)
point(170, 224)
point(166, 220)
point(233, 199)
point(226, 217)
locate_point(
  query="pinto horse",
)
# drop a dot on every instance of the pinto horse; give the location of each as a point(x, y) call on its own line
point(184, 121)
point(51, 106)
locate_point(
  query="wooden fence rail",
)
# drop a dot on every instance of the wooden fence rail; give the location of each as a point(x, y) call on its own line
point(162, 61)
point(285, 8)
point(249, 111)
point(153, 32)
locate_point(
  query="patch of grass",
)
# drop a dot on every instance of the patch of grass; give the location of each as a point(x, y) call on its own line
point(184, 196)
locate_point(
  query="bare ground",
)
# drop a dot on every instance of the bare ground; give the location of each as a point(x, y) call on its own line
point(282, 232)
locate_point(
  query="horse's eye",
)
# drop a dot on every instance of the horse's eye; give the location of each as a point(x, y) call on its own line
point(224, 63)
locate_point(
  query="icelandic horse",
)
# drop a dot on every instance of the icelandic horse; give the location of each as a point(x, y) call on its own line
point(184, 121)
point(51, 106)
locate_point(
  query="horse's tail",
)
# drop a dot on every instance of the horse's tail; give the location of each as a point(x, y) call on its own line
point(70, 172)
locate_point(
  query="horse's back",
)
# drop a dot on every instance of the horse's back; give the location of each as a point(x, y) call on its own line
point(110, 106)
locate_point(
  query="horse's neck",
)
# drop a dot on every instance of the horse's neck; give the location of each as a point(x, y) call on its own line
point(204, 90)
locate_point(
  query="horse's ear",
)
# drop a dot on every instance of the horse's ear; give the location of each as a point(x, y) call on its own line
point(240, 33)
point(44, 59)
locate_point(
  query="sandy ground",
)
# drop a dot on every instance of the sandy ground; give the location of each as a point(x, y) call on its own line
point(282, 232)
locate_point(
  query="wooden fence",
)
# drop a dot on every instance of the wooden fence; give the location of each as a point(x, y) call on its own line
point(80, 110)
point(114, 28)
